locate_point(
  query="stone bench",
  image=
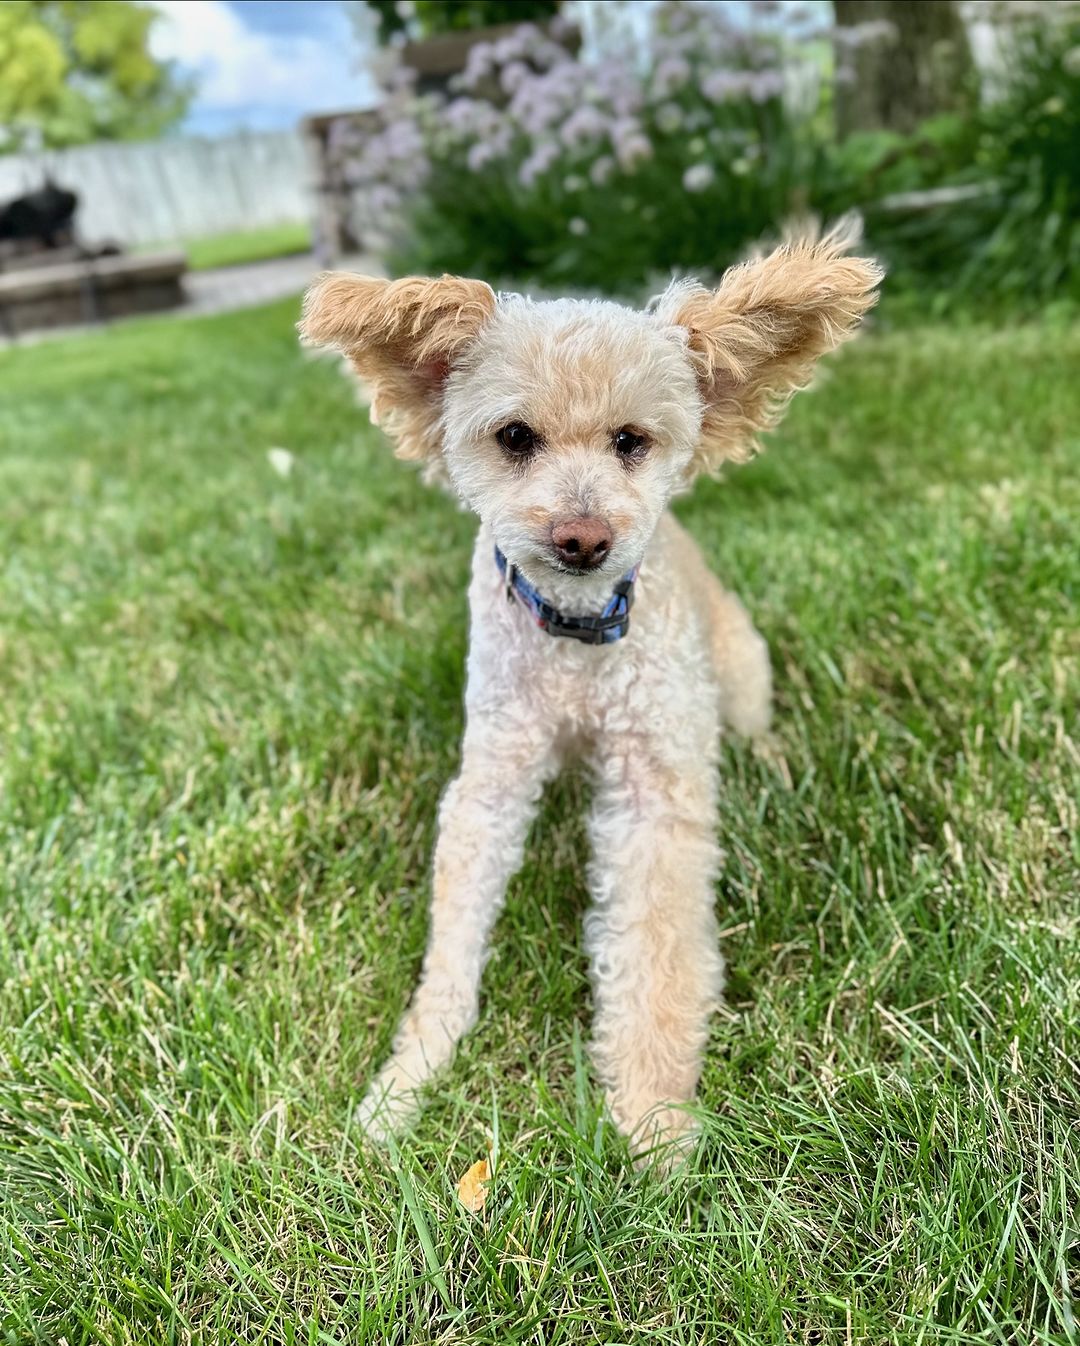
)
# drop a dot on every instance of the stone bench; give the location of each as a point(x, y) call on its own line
point(16, 258)
point(65, 294)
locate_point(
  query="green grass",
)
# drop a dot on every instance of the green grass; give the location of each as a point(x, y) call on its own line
point(251, 245)
point(230, 701)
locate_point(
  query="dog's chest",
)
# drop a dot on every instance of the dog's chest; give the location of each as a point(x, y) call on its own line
point(578, 691)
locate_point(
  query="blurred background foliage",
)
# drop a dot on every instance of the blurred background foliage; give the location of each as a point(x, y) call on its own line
point(680, 137)
point(77, 71)
point(426, 18)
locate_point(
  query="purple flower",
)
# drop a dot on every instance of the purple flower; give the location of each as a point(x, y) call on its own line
point(719, 86)
point(633, 150)
point(766, 84)
point(698, 177)
point(585, 123)
point(479, 64)
point(382, 200)
point(480, 155)
point(460, 114)
point(670, 75)
point(542, 100)
point(618, 84)
point(513, 74)
point(577, 118)
point(669, 117)
point(538, 162)
point(512, 47)
point(602, 169)
point(483, 152)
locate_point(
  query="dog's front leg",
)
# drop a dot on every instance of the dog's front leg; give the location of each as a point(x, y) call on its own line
point(483, 821)
point(651, 934)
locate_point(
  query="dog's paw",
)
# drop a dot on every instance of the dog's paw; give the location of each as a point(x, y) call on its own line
point(390, 1104)
point(746, 688)
point(750, 715)
point(662, 1139)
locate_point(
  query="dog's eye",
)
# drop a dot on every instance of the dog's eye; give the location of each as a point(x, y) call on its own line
point(629, 443)
point(517, 438)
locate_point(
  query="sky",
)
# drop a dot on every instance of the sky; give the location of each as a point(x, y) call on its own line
point(263, 64)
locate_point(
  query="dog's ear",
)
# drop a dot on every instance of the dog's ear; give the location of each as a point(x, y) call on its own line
point(755, 340)
point(402, 337)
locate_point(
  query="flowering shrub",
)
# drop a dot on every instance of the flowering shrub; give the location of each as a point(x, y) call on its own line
point(676, 147)
point(603, 170)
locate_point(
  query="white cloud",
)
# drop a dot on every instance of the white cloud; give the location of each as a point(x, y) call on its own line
point(239, 68)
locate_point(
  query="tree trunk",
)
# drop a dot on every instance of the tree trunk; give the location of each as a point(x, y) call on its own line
point(894, 82)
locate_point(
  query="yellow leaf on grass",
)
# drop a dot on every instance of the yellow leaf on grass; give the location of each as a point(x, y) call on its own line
point(472, 1189)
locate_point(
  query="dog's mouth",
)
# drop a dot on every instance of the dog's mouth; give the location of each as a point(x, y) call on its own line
point(535, 557)
point(581, 569)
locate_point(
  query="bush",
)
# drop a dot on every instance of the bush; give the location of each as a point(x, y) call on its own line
point(603, 172)
point(1030, 145)
point(1013, 237)
point(679, 148)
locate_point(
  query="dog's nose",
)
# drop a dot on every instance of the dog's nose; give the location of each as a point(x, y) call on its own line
point(582, 542)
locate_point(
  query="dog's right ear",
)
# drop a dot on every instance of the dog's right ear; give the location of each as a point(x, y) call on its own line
point(402, 337)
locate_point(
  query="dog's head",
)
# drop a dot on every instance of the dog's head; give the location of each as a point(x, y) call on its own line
point(568, 425)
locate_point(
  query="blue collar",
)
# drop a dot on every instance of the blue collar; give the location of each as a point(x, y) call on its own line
point(611, 625)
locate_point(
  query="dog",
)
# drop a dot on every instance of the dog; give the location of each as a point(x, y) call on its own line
point(44, 216)
point(597, 630)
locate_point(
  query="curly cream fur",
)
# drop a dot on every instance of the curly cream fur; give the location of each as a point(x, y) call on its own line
point(755, 341)
point(699, 375)
point(400, 336)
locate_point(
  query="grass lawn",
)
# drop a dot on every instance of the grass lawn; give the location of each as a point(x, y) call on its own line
point(230, 700)
point(251, 245)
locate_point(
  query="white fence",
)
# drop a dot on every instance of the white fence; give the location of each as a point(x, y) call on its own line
point(162, 190)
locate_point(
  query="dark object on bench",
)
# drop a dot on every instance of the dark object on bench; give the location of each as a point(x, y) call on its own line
point(45, 216)
point(49, 279)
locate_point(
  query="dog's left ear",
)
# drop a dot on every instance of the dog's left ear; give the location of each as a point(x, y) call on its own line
point(756, 339)
point(402, 337)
